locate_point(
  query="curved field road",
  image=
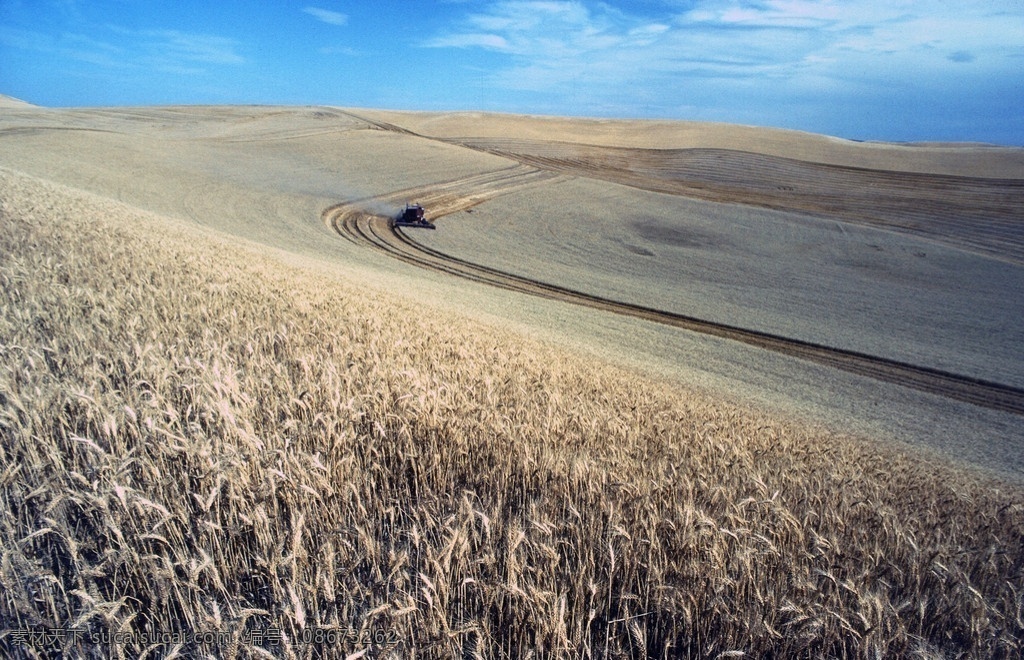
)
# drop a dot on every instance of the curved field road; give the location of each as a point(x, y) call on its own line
point(367, 222)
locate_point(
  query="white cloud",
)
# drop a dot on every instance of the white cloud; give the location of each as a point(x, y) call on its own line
point(326, 15)
point(599, 47)
point(469, 39)
point(774, 13)
point(764, 57)
point(551, 41)
point(554, 31)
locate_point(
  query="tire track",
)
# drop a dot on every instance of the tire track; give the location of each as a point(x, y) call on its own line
point(440, 199)
point(365, 223)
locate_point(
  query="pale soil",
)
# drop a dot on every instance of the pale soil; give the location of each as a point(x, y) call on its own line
point(267, 174)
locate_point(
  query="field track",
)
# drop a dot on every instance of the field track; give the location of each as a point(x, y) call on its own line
point(367, 223)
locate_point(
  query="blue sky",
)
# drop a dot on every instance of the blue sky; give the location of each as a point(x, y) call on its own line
point(861, 69)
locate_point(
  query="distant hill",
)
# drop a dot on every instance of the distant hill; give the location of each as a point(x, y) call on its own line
point(11, 102)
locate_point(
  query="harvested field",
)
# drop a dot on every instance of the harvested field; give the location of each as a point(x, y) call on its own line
point(574, 420)
point(964, 212)
point(379, 232)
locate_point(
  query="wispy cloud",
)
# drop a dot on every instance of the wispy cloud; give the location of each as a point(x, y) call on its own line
point(21, 39)
point(92, 51)
point(603, 56)
point(551, 42)
point(70, 45)
point(326, 15)
point(771, 14)
point(341, 50)
point(191, 47)
point(170, 51)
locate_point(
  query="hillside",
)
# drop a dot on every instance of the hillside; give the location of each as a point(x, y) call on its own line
point(237, 401)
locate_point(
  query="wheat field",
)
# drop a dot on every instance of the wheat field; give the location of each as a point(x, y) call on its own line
point(205, 443)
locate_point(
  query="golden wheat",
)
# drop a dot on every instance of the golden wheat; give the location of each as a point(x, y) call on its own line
point(199, 439)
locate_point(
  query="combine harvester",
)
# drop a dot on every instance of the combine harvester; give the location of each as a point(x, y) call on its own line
point(413, 216)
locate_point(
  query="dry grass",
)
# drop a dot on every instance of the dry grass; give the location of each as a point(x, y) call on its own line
point(198, 438)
